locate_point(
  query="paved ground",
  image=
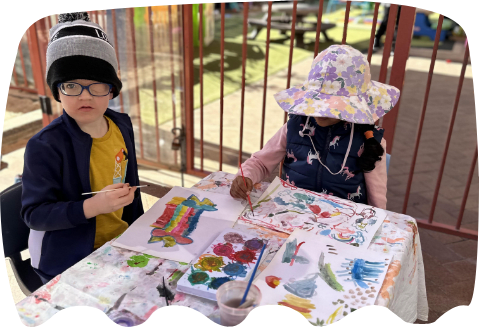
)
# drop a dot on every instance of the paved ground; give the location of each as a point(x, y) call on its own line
point(450, 261)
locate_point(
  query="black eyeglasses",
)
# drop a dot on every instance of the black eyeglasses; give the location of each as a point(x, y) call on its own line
point(75, 89)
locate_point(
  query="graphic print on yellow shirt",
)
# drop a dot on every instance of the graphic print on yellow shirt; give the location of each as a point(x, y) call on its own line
point(108, 162)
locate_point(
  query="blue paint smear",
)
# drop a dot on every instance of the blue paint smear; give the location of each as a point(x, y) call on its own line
point(334, 204)
point(325, 232)
point(303, 288)
point(280, 201)
point(192, 221)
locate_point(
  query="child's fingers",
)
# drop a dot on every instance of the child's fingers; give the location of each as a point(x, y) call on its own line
point(113, 186)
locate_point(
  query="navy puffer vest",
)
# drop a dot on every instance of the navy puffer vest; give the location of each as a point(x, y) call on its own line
point(303, 169)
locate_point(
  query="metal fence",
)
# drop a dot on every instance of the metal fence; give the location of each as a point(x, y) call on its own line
point(160, 67)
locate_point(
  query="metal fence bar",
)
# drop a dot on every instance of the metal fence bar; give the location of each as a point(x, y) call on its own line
point(130, 17)
point(291, 47)
point(466, 190)
point(266, 62)
point(24, 71)
point(153, 75)
point(179, 14)
point(449, 133)
point(115, 37)
point(15, 77)
point(172, 71)
point(318, 27)
point(398, 70)
point(393, 10)
point(423, 112)
point(346, 22)
point(36, 60)
point(373, 31)
point(290, 64)
point(222, 78)
point(243, 78)
point(201, 84)
point(189, 79)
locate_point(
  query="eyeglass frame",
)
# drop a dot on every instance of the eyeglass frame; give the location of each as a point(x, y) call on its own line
point(85, 88)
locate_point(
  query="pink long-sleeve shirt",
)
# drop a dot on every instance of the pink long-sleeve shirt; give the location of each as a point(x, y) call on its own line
point(263, 162)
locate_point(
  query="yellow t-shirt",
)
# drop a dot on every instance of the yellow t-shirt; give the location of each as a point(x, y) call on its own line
point(108, 163)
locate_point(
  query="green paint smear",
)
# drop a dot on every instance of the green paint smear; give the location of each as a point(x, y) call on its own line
point(183, 263)
point(327, 275)
point(137, 261)
point(176, 275)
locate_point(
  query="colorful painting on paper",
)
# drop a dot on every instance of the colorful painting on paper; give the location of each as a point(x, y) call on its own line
point(284, 207)
point(220, 182)
point(231, 256)
point(181, 224)
point(323, 280)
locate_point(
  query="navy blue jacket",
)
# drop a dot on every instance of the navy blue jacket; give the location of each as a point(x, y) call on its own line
point(56, 172)
point(302, 167)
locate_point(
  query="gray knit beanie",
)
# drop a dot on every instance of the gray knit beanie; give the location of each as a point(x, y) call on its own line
point(80, 49)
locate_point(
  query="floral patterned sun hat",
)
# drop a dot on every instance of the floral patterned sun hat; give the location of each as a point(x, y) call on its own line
point(339, 86)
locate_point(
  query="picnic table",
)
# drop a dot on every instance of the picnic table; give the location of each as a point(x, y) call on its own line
point(123, 283)
point(284, 23)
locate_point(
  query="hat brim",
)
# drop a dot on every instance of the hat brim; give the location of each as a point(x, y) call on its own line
point(364, 108)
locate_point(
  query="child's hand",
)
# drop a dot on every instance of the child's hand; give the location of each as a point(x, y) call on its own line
point(238, 190)
point(107, 202)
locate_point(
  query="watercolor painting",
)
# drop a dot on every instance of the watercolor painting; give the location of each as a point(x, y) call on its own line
point(285, 207)
point(181, 224)
point(179, 220)
point(231, 256)
point(220, 182)
point(332, 281)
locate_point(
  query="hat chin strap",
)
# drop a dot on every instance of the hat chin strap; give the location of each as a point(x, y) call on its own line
point(317, 153)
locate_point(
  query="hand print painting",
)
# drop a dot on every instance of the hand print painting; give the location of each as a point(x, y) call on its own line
point(323, 280)
point(181, 224)
point(284, 207)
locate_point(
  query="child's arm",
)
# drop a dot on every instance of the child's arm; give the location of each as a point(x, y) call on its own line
point(376, 182)
point(43, 206)
point(263, 162)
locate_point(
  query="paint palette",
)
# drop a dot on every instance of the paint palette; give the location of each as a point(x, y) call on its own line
point(231, 256)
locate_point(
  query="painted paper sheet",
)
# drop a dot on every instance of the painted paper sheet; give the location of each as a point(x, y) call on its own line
point(181, 225)
point(220, 182)
point(231, 256)
point(284, 207)
point(323, 280)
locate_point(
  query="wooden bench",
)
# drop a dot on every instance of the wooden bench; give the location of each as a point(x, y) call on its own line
point(283, 24)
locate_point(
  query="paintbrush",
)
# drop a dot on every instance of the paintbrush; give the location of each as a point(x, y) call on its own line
point(252, 275)
point(244, 180)
point(113, 190)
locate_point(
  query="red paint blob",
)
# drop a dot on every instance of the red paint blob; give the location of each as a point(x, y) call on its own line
point(245, 256)
point(223, 250)
point(272, 281)
point(315, 209)
point(325, 214)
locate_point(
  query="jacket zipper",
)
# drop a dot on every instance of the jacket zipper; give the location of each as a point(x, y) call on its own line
point(323, 155)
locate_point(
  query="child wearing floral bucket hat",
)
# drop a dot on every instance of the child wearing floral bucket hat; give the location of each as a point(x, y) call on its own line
point(330, 143)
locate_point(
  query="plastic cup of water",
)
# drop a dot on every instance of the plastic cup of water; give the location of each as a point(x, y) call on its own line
point(229, 296)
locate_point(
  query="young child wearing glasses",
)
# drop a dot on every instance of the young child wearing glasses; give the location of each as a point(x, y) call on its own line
point(88, 148)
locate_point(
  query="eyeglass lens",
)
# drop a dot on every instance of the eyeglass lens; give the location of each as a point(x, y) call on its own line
point(97, 89)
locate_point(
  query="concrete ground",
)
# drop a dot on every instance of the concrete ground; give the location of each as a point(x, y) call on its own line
point(450, 261)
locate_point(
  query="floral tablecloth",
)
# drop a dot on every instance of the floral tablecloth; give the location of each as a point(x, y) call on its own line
point(128, 286)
